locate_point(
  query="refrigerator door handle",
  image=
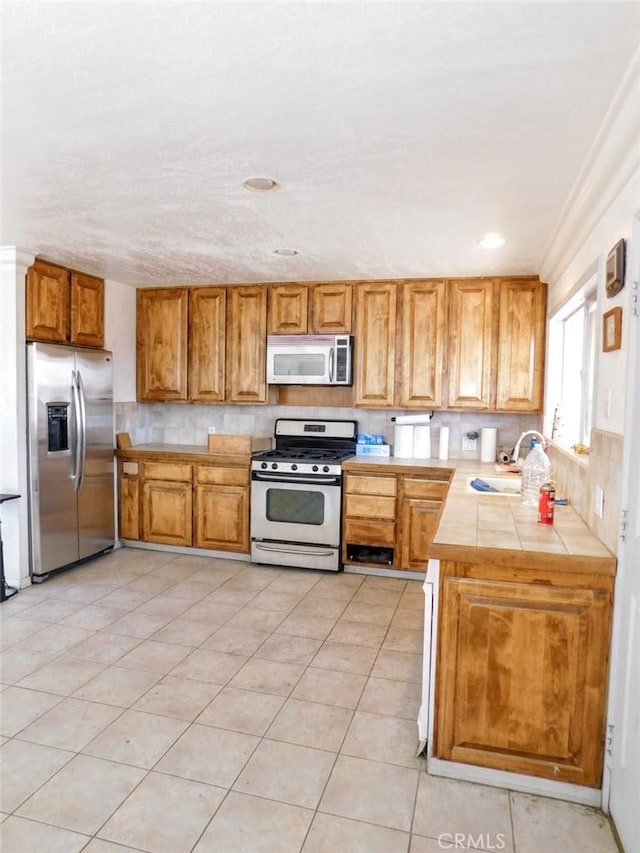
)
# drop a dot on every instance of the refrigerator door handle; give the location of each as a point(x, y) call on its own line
point(82, 431)
point(77, 456)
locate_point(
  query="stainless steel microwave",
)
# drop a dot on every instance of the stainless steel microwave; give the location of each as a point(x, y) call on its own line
point(309, 360)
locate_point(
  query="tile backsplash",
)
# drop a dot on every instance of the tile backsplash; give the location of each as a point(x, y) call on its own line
point(172, 423)
point(578, 476)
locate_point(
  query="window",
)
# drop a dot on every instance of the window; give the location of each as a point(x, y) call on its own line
point(572, 350)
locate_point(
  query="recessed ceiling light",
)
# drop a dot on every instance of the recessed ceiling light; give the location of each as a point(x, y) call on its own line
point(286, 253)
point(260, 185)
point(491, 241)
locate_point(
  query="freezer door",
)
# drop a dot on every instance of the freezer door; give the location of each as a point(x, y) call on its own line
point(52, 457)
point(96, 522)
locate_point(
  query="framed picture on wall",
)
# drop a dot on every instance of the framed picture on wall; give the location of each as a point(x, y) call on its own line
point(612, 330)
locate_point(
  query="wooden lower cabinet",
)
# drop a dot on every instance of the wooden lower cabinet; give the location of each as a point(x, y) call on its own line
point(166, 501)
point(129, 500)
point(221, 511)
point(390, 518)
point(176, 503)
point(521, 676)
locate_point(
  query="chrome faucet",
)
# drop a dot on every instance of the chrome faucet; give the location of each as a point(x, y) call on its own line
point(515, 454)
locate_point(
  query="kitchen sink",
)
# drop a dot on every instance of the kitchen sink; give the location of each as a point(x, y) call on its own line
point(508, 485)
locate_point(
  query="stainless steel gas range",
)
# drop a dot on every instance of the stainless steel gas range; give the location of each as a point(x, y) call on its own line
point(296, 494)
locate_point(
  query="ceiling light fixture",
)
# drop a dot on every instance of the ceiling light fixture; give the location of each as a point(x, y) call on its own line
point(260, 185)
point(286, 253)
point(491, 241)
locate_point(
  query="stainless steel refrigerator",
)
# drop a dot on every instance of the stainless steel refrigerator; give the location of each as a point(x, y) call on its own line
point(70, 452)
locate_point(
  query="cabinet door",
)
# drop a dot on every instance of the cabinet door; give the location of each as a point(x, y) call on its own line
point(375, 336)
point(207, 344)
point(419, 523)
point(288, 309)
point(521, 339)
point(47, 303)
point(471, 343)
point(166, 512)
point(423, 325)
point(161, 339)
point(87, 310)
point(246, 344)
point(129, 504)
point(521, 678)
point(222, 517)
point(331, 308)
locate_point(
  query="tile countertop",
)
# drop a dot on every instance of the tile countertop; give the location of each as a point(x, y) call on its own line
point(475, 527)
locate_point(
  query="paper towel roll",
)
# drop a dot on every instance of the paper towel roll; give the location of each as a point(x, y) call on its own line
point(443, 450)
point(403, 440)
point(422, 442)
point(412, 419)
point(488, 438)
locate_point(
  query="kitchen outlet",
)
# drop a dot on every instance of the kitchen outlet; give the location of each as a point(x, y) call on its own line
point(469, 443)
point(211, 430)
point(599, 501)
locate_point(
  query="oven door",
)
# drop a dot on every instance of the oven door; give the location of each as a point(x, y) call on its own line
point(296, 509)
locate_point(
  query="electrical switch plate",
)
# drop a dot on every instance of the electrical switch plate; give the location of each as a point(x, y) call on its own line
point(469, 443)
point(599, 501)
point(211, 430)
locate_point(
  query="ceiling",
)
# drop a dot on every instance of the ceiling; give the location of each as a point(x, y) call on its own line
point(399, 133)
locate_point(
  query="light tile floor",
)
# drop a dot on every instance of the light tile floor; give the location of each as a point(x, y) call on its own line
point(163, 703)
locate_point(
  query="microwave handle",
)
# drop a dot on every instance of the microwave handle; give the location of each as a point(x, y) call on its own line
point(331, 361)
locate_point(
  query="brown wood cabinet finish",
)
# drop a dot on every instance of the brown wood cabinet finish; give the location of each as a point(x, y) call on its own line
point(521, 345)
point(166, 512)
point(331, 308)
point(423, 337)
point(472, 336)
point(47, 303)
point(521, 676)
point(288, 309)
point(87, 310)
point(393, 510)
point(375, 341)
point(221, 517)
point(207, 344)
point(162, 324)
point(64, 306)
point(129, 503)
point(246, 356)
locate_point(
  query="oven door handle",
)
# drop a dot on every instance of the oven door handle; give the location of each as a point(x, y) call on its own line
point(287, 478)
point(281, 549)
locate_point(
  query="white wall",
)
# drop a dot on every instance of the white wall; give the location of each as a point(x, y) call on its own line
point(120, 337)
point(13, 402)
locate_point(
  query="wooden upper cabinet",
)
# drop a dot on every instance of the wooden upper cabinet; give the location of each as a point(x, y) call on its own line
point(63, 306)
point(331, 308)
point(207, 344)
point(87, 310)
point(161, 340)
point(47, 303)
point(521, 346)
point(423, 330)
point(375, 338)
point(288, 309)
point(472, 340)
point(246, 345)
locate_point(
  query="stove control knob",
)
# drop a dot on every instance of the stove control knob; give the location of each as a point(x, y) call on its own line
point(326, 468)
point(315, 468)
point(294, 467)
point(264, 465)
point(274, 465)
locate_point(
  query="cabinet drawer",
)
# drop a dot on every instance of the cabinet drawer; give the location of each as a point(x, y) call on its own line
point(429, 489)
point(370, 506)
point(222, 476)
point(370, 532)
point(361, 485)
point(173, 471)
